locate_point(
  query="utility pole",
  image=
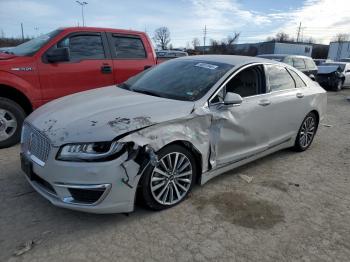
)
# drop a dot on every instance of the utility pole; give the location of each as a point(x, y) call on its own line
point(82, 4)
point(204, 37)
point(22, 31)
point(299, 29)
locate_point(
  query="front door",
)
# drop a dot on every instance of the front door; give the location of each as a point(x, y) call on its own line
point(239, 132)
point(89, 67)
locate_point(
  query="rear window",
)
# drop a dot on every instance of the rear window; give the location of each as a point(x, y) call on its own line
point(128, 47)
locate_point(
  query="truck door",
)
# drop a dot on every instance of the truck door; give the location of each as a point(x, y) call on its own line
point(131, 55)
point(89, 66)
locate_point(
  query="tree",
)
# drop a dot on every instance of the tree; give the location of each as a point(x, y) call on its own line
point(341, 37)
point(280, 37)
point(226, 46)
point(162, 37)
point(195, 42)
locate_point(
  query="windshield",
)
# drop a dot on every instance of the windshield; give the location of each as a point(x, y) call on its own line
point(32, 46)
point(186, 80)
point(342, 66)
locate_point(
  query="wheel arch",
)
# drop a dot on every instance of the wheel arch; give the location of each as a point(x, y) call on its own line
point(17, 96)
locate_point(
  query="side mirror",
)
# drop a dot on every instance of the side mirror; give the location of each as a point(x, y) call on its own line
point(232, 99)
point(58, 55)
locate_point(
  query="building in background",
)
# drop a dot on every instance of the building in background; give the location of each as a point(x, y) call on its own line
point(339, 50)
point(268, 48)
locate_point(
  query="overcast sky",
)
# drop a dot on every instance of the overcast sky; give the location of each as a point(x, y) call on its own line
point(255, 19)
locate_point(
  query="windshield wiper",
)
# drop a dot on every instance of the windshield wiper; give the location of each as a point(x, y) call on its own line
point(146, 92)
point(124, 86)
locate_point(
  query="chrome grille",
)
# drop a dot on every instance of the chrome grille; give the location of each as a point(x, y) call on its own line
point(35, 143)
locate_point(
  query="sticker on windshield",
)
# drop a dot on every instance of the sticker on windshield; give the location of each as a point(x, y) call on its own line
point(207, 66)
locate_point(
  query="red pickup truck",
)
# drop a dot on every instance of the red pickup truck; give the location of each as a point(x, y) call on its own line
point(62, 62)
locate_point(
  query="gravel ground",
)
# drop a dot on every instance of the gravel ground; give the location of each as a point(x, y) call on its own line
point(297, 208)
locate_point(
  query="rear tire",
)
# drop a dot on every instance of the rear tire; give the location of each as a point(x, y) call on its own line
point(164, 186)
point(12, 116)
point(306, 133)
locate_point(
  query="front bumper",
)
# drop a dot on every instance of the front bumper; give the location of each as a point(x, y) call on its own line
point(95, 187)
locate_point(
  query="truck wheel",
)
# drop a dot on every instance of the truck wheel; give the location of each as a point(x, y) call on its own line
point(11, 120)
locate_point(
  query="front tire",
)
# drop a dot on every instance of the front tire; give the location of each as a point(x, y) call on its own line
point(168, 183)
point(11, 120)
point(306, 133)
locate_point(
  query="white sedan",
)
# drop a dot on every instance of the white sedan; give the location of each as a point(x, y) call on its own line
point(182, 122)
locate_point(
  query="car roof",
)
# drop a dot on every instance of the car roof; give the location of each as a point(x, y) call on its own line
point(104, 29)
point(230, 59)
point(284, 55)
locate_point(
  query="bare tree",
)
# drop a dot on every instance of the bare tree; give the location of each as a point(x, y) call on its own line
point(195, 42)
point(341, 37)
point(226, 46)
point(232, 39)
point(162, 37)
point(280, 37)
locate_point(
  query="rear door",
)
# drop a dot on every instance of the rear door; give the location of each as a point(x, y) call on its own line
point(90, 66)
point(287, 106)
point(129, 54)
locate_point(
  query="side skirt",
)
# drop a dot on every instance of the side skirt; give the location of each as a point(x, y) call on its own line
point(222, 169)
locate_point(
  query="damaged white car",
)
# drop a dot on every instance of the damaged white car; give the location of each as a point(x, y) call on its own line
point(180, 123)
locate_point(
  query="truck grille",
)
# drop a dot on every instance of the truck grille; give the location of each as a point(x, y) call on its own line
point(35, 143)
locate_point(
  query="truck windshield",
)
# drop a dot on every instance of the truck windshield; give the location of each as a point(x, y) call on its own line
point(32, 46)
point(186, 80)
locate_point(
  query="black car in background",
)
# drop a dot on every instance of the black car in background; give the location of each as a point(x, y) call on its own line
point(303, 63)
point(334, 75)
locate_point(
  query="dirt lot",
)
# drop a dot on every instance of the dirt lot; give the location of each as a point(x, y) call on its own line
point(297, 208)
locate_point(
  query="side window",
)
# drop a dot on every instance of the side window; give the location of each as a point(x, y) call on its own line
point(128, 47)
point(279, 78)
point(288, 61)
point(82, 47)
point(249, 82)
point(310, 65)
point(298, 63)
point(298, 81)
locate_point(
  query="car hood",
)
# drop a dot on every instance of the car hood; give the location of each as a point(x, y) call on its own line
point(103, 114)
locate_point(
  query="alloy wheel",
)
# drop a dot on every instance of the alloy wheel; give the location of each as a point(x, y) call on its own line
point(171, 179)
point(307, 131)
point(8, 124)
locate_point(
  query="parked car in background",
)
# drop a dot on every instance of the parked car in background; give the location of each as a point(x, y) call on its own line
point(303, 63)
point(157, 134)
point(334, 75)
point(65, 61)
point(319, 61)
point(165, 55)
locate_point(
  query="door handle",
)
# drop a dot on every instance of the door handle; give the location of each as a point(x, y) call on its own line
point(106, 69)
point(300, 95)
point(264, 102)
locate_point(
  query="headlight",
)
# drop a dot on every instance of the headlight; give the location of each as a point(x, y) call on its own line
point(98, 151)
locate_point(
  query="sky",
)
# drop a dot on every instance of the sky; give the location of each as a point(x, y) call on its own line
point(254, 19)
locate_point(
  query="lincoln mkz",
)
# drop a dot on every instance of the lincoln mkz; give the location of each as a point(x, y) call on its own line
point(164, 130)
